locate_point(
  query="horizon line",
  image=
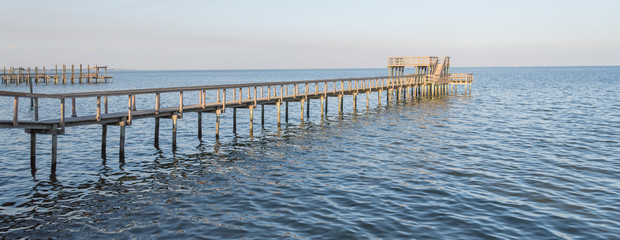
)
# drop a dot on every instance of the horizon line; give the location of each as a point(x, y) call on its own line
point(255, 69)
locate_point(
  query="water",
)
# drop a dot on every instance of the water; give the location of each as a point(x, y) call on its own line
point(532, 153)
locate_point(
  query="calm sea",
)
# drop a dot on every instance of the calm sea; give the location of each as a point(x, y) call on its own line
point(531, 153)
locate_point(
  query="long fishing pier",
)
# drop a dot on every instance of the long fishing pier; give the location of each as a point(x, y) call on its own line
point(217, 99)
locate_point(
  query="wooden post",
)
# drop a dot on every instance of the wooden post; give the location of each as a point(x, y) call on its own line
point(72, 74)
point(64, 74)
point(33, 152)
point(322, 109)
point(30, 86)
point(121, 142)
point(54, 148)
point(354, 102)
point(36, 109)
point(181, 103)
point(104, 134)
point(234, 119)
point(156, 135)
point(251, 120)
point(302, 110)
point(157, 103)
point(278, 103)
point(73, 111)
point(174, 132)
point(217, 123)
point(56, 74)
point(199, 125)
point(62, 113)
point(133, 102)
point(307, 108)
point(224, 100)
point(379, 97)
point(130, 109)
point(340, 102)
point(80, 77)
point(98, 108)
point(262, 114)
point(15, 110)
point(367, 100)
point(286, 112)
point(326, 98)
point(105, 103)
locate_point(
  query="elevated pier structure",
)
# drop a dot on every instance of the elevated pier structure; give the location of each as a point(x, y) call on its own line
point(217, 99)
point(20, 75)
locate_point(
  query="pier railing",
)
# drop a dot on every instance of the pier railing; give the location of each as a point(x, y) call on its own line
point(222, 96)
point(461, 77)
point(412, 61)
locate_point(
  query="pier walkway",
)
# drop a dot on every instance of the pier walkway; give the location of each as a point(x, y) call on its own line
point(217, 99)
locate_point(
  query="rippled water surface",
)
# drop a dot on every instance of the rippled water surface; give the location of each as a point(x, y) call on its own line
point(531, 153)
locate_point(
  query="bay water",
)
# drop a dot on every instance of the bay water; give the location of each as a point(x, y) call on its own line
point(531, 153)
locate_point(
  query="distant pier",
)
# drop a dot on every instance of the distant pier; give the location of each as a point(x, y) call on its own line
point(26, 75)
point(431, 79)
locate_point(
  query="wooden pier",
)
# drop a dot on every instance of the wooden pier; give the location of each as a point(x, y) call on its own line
point(218, 99)
point(20, 75)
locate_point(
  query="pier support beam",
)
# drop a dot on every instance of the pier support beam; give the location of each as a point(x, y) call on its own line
point(322, 104)
point(262, 115)
point(326, 105)
point(301, 104)
point(251, 120)
point(104, 134)
point(199, 125)
point(33, 152)
point(340, 102)
point(286, 112)
point(379, 97)
point(54, 148)
point(156, 137)
point(234, 120)
point(354, 102)
point(217, 123)
point(308, 109)
point(174, 132)
point(121, 144)
point(278, 103)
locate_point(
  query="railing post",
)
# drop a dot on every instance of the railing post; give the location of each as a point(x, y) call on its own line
point(98, 108)
point(36, 109)
point(15, 110)
point(130, 108)
point(157, 103)
point(181, 103)
point(105, 103)
point(224, 99)
point(62, 114)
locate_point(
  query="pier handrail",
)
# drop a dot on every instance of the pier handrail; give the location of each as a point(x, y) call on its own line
point(188, 88)
point(412, 61)
point(462, 77)
point(287, 90)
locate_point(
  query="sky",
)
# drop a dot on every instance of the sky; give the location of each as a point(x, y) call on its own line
point(295, 34)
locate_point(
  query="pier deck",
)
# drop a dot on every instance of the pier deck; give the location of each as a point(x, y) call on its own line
point(217, 99)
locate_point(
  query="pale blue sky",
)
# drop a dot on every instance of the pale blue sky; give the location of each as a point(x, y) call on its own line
point(265, 34)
